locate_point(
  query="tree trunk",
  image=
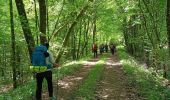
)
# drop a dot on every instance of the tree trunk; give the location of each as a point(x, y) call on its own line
point(73, 46)
point(168, 28)
point(168, 23)
point(36, 21)
point(94, 27)
point(1, 67)
point(86, 30)
point(4, 60)
point(94, 31)
point(69, 32)
point(48, 29)
point(13, 55)
point(59, 15)
point(87, 38)
point(79, 42)
point(42, 7)
point(25, 26)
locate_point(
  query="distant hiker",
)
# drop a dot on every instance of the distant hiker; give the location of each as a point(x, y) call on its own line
point(112, 48)
point(94, 49)
point(43, 59)
point(106, 47)
point(101, 48)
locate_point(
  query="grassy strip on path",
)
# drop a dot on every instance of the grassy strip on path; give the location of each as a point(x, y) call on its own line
point(87, 89)
point(26, 91)
point(149, 85)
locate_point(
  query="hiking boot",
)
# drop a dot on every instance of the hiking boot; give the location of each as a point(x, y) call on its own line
point(53, 98)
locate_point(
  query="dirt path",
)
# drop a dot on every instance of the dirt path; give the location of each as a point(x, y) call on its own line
point(6, 88)
point(69, 84)
point(113, 84)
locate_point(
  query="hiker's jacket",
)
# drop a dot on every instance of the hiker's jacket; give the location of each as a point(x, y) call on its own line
point(50, 61)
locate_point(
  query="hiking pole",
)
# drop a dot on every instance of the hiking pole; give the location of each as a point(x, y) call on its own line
point(57, 83)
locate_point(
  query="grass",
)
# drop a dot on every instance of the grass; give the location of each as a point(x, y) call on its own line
point(148, 83)
point(20, 93)
point(66, 70)
point(86, 90)
point(27, 91)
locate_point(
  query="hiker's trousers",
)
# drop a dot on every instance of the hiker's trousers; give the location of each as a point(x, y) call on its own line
point(39, 78)
point(95, 53)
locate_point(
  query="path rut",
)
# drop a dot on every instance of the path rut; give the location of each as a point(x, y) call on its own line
point(113, 84)
point(69, 84)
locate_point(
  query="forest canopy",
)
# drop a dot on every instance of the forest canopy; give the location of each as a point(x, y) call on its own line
point(72, 26)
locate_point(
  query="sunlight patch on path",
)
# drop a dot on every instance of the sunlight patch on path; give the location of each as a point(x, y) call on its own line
point(113, 64)
point(66, 84)
point(112, 84)
point(87, 63)
point(6, 88)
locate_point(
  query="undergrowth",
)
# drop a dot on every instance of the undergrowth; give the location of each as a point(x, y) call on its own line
point(86, 90)
point(148, 83)
point(27, 91)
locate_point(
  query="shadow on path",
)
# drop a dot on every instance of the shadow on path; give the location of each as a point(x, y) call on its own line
point(70, 83)
point(113, 84)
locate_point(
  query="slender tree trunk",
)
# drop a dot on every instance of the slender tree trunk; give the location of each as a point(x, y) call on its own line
point(48, 33)
point(165, 71)
point(42, 7)
point(87, 38)
point(13, 60)
point(18, 63)
point(3, 58)
point(125, 33)
point(168, 23)
point(79, 42)
point(25, 26)
point(2, 72)
point(84, 38)
point(57, 31)
point(168, 30)
point(73, 46)
point(94, 21)
point(70, 31)
point(94, 27)
point(2, 69)
point(56, 23)
point(152, 18)
point(94, 31)
point(36, 21)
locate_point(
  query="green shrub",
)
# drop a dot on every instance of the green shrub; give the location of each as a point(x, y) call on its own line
point(147, 82)
point(27, 91)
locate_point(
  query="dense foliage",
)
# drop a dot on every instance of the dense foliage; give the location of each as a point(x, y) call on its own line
point(71, 26)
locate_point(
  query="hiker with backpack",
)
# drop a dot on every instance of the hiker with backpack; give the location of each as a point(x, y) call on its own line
point(43, 61)
point(106, 47)
point(94, 49)
point(113, 48)
point(101, 48)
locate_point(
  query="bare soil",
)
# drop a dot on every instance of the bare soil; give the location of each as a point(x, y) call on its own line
point(112, 86)
point(6, 88)
point(114, 83)
point(64, 88)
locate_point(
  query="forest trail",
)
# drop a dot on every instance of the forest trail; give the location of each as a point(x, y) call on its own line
point(69, 84)
point(114, 83)
point(112, 86)
point(6, 88)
